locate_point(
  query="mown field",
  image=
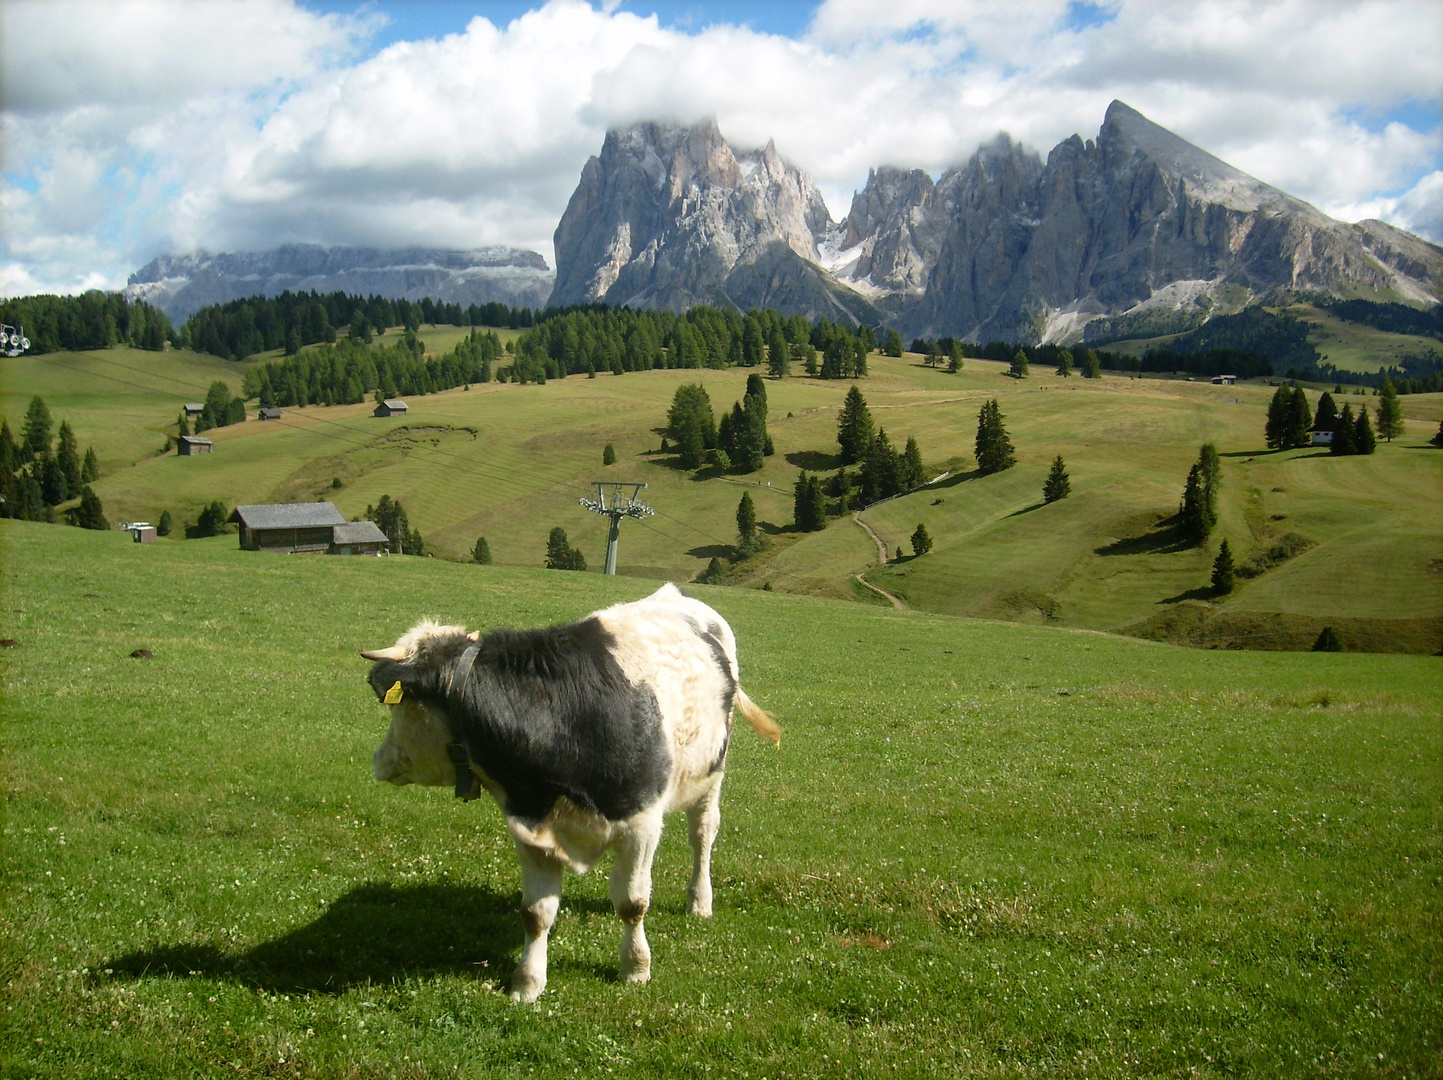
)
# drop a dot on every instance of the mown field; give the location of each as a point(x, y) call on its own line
point(509, 462)
point(983, 849)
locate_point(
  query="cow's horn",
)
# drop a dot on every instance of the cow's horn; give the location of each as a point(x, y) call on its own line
point(395, 652)
point(474, 635)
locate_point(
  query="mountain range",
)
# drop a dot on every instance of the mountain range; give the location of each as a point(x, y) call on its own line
point(1134, 233)
point(180, 285)
point(1136, 227)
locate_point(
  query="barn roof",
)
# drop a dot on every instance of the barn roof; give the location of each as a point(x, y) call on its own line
point(395, 403)
point(196, 440)
point(358, 532)
point(288, 515)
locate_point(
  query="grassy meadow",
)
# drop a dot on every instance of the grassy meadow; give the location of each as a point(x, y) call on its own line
point(984, 848)
point(509, 462)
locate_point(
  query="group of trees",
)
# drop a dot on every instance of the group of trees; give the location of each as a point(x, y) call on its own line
point(1198, 512)
point(1291, 422)
point(390, 517)
point(220, 409)
point(291, 321)
point(560, 555)
point(594, 338)
point(348, 371)
point(737, 444)
point(92, 320)
point(884, 471)
point(44, 469)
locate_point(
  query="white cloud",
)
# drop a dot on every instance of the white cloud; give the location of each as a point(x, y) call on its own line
point(134, 128)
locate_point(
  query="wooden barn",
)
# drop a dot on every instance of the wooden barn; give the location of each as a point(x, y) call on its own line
point(190, 445)
point(287, 526)
point(359, 538)
point(269, 414)
point(391, 407)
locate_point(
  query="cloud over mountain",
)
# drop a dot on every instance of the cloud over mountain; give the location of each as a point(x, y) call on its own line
point(132, 129)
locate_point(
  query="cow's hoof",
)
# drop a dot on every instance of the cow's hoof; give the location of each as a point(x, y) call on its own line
point(700, 910)
point(640, 975)
point(526, 991)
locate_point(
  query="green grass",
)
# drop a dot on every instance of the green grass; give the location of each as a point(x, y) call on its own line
point(509, 462)
point(983, 850)
point(1355, 347)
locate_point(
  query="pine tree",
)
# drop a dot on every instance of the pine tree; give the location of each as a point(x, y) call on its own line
point(921, 541)
point(1020, 366)
point(67, 456)
point(714, 574)
point(881, 469)
point(89, 514)
point(1276, 430)
point(893, 347)
point(53, 488)
point(1193, 516)
point(481, 553)
point(809, 506)
point(1058, 485)
point(1363, 437)
point(166, 523)
point(1326, 418)
point(1223, 572)
point(854, 427)
point(1345, 438)
point(35, 431)
point(752, 344)
point(993, 448)
point(1064, 363)
point(913, 472)
point(1437, 439)
point(746, 518)
point(691, 424)
point(560, 555)
point(1390, 413)
point(779, 354)
point(1091, 365)
point(90, 469)
point(1210, 467)
point(1327, 641)
point(1300, 420)
point(10, 452)
point(608, 455)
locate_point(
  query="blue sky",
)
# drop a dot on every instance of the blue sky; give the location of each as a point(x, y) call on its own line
point(133, 128)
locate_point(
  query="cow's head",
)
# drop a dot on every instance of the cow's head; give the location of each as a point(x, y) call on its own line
point(414, 750)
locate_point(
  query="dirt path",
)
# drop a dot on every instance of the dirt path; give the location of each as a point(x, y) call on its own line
point(881, 557)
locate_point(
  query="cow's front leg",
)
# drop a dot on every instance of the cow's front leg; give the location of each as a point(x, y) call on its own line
point(540, 898)
point(703, 819)
point(630, 888)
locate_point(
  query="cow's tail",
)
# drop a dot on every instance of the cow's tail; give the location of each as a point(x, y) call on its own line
point(760, 720)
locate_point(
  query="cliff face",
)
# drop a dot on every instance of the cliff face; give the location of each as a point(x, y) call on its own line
point(182, 285)
point(1137, 224)
point(668, 217)
point(1136, 220)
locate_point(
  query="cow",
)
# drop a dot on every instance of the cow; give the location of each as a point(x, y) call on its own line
point(584, 735)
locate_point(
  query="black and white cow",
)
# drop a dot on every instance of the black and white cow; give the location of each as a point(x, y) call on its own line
point(585, 735)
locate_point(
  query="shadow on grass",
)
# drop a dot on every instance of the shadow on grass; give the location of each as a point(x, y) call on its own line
point(375, 933)
point(814, 460)
point(1166, 537)
point(955, 479)
point(1203, 593)
point(712, 551)
point(1027, 509)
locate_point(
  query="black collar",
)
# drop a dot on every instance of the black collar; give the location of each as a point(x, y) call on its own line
point(468, 784)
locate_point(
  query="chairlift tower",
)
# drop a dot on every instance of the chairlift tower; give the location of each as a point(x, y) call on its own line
point(616, 501)
point(13, 341)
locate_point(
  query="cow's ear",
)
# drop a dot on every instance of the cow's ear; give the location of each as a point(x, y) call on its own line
point(395, 652)
point(474, 635)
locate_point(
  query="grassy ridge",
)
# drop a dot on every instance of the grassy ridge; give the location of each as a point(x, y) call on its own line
point(984, 849)
point(509, 462)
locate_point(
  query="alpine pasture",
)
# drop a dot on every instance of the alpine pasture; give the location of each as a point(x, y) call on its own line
point(983, 848)
point(1005, 844)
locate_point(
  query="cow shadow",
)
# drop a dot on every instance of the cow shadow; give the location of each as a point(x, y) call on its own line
point(376, 932)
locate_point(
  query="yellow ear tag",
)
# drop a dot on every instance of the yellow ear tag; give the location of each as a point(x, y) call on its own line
point(393, 695)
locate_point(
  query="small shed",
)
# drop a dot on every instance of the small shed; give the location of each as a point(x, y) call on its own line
point(287, 526)
point(359, 538)
point(1322, 438)
point(193, 409)
point(190, 445)
point(269, 414)
point(1224, 380)
point(143, 532)
point(391, 407)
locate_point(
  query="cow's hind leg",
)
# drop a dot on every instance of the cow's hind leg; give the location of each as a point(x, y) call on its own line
point(703, 819)
point(540, 898)
point(630, 888)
